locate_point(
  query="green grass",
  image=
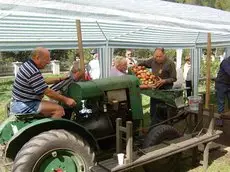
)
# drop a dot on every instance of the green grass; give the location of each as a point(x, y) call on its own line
point(5, 94)
point(146, 110)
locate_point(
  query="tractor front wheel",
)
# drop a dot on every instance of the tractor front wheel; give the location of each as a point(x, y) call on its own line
point(54, 151)
point(156, 136)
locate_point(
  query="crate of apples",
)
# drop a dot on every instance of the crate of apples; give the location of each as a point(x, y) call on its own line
point(148, 80)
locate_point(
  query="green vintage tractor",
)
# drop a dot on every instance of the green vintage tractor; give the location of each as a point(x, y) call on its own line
point(87, 134)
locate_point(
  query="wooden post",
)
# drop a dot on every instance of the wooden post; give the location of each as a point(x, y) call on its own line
point(208, 77)
point(80, 47)
point(118, 136)
point(129, 142)
point(206, 156)
point(199, 119)
point(199, 123)
point(211, 120)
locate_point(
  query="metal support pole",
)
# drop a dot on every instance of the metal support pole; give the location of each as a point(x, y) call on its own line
point(118, 136)
point(101, 61)
point(110, 57)
point(129, 142)
point(107, 67)
point(206, 156)
point(211, 120)
point(195, 70)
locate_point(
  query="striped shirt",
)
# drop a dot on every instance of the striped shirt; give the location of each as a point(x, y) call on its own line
point(29, 83)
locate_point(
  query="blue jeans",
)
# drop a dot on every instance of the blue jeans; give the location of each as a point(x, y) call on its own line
point(18, 107)
point(222, 90)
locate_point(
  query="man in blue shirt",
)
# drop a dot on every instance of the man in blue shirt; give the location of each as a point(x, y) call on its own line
point(30, 87)
point(223, 84)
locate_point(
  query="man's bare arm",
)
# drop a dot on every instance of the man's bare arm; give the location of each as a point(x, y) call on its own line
point(56, 96)
point(55, 80)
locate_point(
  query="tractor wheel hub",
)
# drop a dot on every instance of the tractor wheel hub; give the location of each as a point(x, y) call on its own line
point(58, 170)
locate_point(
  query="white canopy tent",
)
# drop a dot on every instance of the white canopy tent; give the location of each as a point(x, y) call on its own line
point(25, 24)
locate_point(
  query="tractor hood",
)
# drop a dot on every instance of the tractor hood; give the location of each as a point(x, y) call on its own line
point(95, 88)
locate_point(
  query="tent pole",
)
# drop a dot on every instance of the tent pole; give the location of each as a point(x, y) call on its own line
point(80, 47)
point(208, 77)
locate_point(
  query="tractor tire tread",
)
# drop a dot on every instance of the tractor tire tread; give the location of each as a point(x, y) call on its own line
point(159, 134)
point(45, 138)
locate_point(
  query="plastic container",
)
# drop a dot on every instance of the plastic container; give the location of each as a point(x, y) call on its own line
point(193, 102)
point(120, 158)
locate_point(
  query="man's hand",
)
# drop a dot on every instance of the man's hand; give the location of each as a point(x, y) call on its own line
point(160, 83)
point(70, 102)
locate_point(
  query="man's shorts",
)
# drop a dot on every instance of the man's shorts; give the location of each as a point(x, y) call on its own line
point(18, 107)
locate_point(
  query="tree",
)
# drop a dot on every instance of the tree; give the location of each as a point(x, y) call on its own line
point(12, 56)
point(143, 53)
point(219, 4)
point(119, 52)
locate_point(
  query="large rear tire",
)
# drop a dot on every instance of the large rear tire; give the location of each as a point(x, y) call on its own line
point(54, 150)
point(156, 136)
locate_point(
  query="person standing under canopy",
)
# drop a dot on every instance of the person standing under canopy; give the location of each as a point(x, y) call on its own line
point(222, 86)
point(130, 60)
point(94, 65)
point(120, 67)
point(188, 75)
point(164, 68)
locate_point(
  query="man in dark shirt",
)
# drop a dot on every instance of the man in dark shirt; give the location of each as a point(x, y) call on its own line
point(30, 87)
point(223, 84)
point(164, 68)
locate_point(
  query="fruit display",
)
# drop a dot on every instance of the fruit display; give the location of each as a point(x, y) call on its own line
point(146, 77)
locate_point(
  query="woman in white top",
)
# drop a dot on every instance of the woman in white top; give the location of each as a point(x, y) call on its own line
point(94, 66)
point(188, 75)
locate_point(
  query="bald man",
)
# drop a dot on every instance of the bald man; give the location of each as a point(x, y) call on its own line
point(30, 87)
point(166, 70)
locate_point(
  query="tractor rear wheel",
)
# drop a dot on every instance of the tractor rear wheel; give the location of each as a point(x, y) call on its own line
point(156, 136)
point(159, 134)
point(54, 151)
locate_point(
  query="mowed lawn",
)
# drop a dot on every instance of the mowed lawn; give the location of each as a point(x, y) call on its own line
point(219, 159)
point(5, 94)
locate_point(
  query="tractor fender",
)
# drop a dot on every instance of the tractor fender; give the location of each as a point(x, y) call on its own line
point(45, 124)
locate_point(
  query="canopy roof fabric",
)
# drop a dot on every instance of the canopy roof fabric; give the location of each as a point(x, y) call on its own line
point(25, 24)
